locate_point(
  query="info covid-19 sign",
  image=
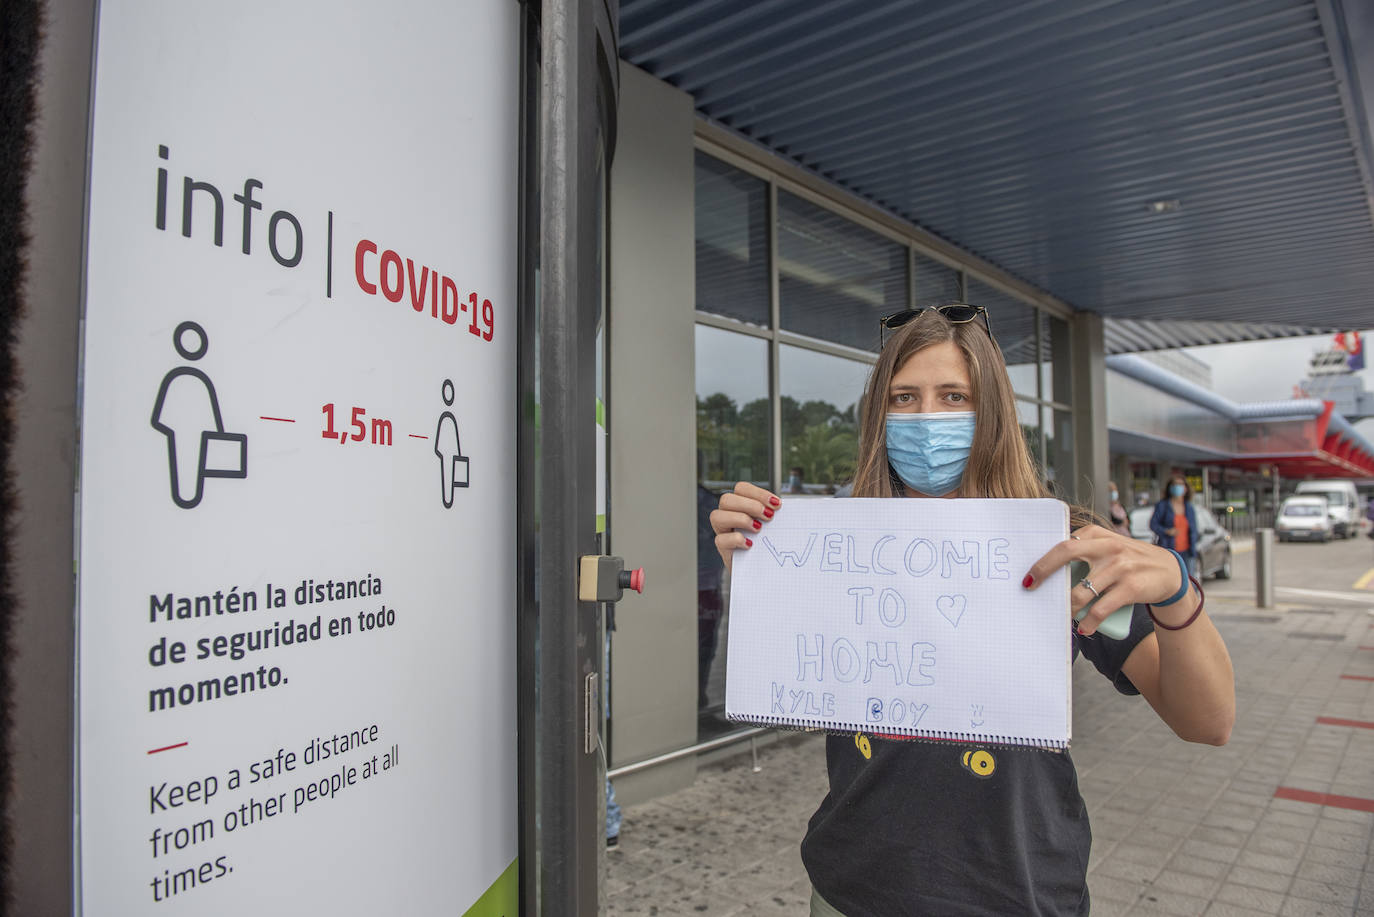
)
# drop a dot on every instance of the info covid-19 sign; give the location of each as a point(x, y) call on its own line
point(296, 566)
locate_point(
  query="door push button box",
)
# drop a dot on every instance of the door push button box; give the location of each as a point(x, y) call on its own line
point(605, 579)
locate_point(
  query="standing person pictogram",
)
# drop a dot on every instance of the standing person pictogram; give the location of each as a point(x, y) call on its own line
point(187, 413)
point(453, 465)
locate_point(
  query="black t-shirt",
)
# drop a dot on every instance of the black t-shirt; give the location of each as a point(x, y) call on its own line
point(947, 828)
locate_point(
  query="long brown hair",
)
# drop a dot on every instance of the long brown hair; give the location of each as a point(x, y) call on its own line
point(999, 463)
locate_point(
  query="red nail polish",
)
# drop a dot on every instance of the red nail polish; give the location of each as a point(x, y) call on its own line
point(775, 501)
point(748, 543)
point(1026, 583)
point(768, 514)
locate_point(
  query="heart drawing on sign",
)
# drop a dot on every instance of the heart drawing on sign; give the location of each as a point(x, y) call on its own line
point(952, 607)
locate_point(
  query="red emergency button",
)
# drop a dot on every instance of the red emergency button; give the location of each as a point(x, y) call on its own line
point(633, 579)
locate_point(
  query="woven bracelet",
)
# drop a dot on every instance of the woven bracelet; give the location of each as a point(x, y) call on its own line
point(1201, 600)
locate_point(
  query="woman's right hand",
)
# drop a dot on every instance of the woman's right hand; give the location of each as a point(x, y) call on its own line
point(742, 512)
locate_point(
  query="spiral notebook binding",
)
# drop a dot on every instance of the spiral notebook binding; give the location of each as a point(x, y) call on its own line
point(906, 732)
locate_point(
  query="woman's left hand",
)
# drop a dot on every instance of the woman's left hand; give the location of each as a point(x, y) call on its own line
point(1124, 572)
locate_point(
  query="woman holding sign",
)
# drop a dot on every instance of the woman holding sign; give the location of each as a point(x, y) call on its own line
point(941, 828)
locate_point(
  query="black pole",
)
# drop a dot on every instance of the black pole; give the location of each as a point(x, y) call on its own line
point(577, 105)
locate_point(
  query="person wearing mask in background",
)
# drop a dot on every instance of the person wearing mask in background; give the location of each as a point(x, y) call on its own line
point(1120, 521)
point(794, 480)
point(1174, 522)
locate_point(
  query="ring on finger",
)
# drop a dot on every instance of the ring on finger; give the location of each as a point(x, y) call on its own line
point(1091, 588)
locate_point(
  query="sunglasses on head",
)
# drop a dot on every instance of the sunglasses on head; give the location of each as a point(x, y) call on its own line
point(957, 313)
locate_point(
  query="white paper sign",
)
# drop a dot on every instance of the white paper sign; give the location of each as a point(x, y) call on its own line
point(296, 571)
point(903, 617)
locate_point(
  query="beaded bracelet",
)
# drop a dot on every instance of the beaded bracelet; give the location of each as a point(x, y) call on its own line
point(1183, 572)
point(1201, 600)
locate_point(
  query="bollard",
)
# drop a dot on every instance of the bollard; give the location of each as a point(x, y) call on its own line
point(1264, 568)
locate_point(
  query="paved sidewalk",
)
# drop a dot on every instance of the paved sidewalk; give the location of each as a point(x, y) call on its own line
point(1178, 829)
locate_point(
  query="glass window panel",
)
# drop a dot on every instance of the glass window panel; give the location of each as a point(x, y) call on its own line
point(734, 419)
point(1013, 326)
point(835, 278)
point(820, 428)
point(1059, 449)
point(935, 283)
point(734, 423)
point(731, 242)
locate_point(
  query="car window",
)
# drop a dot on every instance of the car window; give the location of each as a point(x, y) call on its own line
point(1302, 509)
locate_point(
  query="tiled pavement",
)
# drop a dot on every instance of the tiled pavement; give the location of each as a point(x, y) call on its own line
point(1178, 829)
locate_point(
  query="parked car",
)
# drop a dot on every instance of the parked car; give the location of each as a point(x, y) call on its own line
point(1213, 541)
point(1305, 519)
point(1342, 503)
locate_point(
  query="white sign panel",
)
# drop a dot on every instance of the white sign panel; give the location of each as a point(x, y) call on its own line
point(297, 639)
point(903, 617)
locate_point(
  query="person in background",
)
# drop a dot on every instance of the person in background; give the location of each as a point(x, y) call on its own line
point(1174, 522)
point(794, 480)
point(1120, 521)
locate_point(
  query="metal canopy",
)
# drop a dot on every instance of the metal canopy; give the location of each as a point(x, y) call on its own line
point(1200, 160)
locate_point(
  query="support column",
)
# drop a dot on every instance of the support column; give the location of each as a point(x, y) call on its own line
point(1089, 373)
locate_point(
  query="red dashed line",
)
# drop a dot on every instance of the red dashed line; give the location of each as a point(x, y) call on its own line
point(1337, 721)
point(1325, 799)
point(416, 436)
point(279, 419)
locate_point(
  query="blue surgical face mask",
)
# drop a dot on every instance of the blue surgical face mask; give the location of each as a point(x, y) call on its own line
point(930, 451)
point(1175, 490)
point(1115, 496)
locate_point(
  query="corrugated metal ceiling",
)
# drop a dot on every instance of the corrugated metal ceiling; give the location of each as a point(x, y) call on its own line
point(1037, 135)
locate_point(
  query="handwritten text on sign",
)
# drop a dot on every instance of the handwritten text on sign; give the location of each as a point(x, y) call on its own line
point(897, 614)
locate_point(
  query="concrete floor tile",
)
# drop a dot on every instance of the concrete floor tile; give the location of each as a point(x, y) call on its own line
point(1175, 880)
point(1323, 837)
point(1325, 892)
point(1278, 865)
point(1330, 874)
point(1225, 837)
point(1259, 878)
point(1256, 899)
point(1121, 891)
point(1350, 859)
point(1360, 825)
point(1162, 902)
point(1117, 868)
point(1207, 849)
point(1106, 907)
point(1301, 907)
point(1275, 846)
point(1223, 909)
point(1208, 870)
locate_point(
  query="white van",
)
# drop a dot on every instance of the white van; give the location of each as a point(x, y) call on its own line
point(1341, 503)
